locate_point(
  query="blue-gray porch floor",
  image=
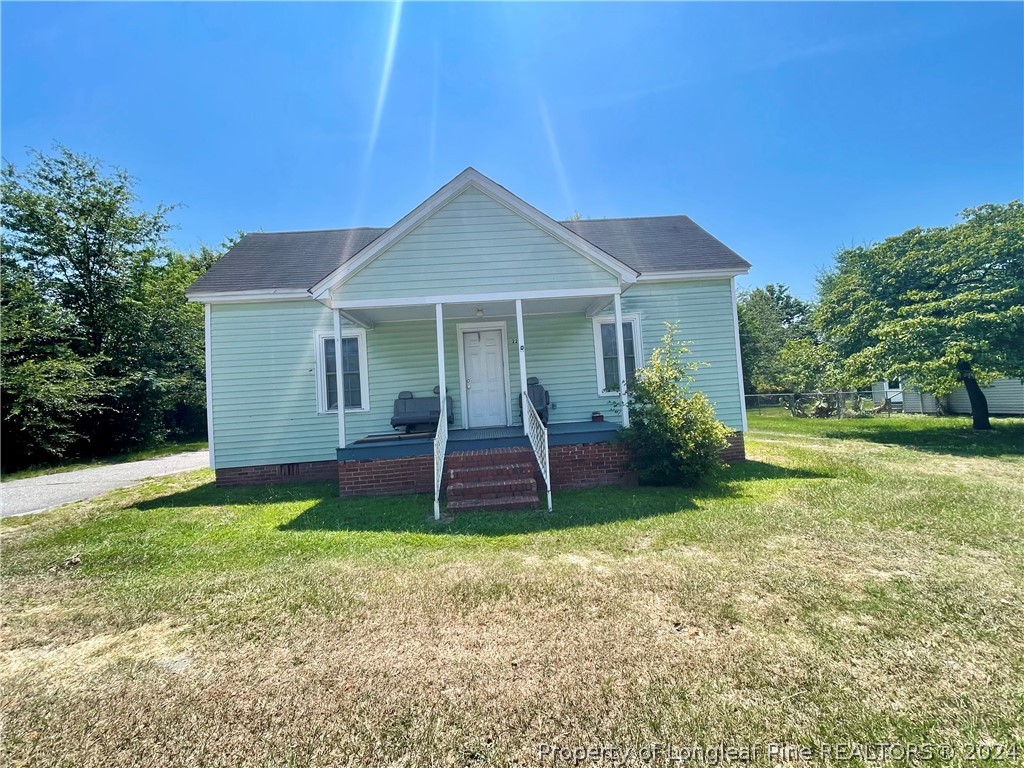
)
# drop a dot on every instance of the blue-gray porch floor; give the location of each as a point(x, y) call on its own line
point(399, 446)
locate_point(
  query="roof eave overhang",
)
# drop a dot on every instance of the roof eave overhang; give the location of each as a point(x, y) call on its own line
point(472, 178)
point(690, 274)
point(235, 297)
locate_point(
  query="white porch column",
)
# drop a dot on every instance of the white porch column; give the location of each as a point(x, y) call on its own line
point(739, 358)
point(522, 360)
point(340, 378)
point(439, 316)
point(620, 348)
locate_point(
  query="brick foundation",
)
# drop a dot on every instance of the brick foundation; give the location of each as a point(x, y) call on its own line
point(589, 466)
point(269, 474)
point(386, 477)
point(736, 450)
point(592, 465)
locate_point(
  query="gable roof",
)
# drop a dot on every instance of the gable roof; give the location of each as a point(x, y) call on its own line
point(473, 179)
point(311, 262)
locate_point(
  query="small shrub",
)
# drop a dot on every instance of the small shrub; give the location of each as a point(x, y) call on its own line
point(673, 437)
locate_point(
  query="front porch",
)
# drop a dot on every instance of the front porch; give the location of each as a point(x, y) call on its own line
point(527, 379)
point(493, 468)
point(400, 446)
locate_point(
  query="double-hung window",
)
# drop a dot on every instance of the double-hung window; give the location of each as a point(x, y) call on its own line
point(608, 354)
point(353, 371)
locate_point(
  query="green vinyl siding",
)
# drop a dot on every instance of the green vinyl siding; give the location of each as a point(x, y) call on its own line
point(264, 384)
point(704, 312)
point(560, 353)
point(473, 245)
point(264, 368)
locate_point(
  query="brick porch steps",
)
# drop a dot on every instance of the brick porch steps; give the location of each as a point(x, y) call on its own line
point(498, 505)
point(496, 479)
point(493, 489)
point(470, 474)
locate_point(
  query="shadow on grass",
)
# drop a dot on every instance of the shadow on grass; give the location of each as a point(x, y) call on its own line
point(412, 514)
point(1004, 439)
point(573, 509)
point(212, 495)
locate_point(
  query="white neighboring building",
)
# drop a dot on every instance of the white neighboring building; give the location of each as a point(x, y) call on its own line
point(887, 390)
point(1005, 398)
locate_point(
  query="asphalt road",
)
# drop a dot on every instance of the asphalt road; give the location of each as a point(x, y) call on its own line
point(37, 494)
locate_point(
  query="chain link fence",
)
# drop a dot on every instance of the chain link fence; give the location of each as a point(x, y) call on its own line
point(829, 404)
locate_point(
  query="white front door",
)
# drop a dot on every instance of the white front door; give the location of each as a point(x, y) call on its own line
point(484, 353)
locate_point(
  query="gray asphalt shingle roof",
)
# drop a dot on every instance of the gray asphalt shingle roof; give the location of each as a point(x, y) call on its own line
point(299, 260)
point(284, 260)
point(658, 243)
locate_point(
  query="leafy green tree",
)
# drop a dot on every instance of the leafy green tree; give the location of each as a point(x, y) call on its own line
point(46, 388)
point(674, 437)
point(101, 350)
point(941, 307)
point(174, 355)
point(769, 317)
point(808, 366)
point(75, 229)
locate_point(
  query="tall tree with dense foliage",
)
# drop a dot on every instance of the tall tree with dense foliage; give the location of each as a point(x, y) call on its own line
point(941, 307)
point(174, 353)
point(47, 389)
point(100, 350)
point(75, 229)
point(769, 317)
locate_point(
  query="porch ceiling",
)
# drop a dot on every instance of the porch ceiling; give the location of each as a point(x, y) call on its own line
point(490, 309)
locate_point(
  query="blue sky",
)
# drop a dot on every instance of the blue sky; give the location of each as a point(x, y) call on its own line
point(787, 130)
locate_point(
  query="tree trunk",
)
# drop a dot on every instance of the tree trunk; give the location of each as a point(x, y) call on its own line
point(979, 403)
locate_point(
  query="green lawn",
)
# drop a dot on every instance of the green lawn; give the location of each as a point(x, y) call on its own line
point(155, 452)
point(941, 434)
point(858, 581)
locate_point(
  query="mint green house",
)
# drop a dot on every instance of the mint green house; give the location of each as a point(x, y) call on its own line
point(328, 352)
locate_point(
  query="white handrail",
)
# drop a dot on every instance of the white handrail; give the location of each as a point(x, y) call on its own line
point(538, 435)
point(440, 446)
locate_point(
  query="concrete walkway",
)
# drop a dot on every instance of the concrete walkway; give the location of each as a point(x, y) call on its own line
point(36, 494)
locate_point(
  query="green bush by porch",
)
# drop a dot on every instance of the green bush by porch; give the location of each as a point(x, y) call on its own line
point(673, 437)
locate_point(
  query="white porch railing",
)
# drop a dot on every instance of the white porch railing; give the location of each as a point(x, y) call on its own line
point(440, 446)
point(538, 435)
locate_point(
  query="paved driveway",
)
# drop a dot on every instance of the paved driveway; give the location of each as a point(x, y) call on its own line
point(35, 494)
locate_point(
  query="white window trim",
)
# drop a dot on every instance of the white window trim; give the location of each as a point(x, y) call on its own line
point(638, 346)
point(321, 379)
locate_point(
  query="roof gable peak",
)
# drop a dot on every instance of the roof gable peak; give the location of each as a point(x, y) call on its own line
point(468, 178)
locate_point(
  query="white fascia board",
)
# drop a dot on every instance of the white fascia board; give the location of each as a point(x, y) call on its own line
point(234, 297)
point(472, 298)
point(689, 274)
point(472, 178)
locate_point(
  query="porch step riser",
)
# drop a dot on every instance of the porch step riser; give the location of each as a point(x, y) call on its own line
point(496, 472)
point(497, 505)
point(492, 458)
point(494, 489)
